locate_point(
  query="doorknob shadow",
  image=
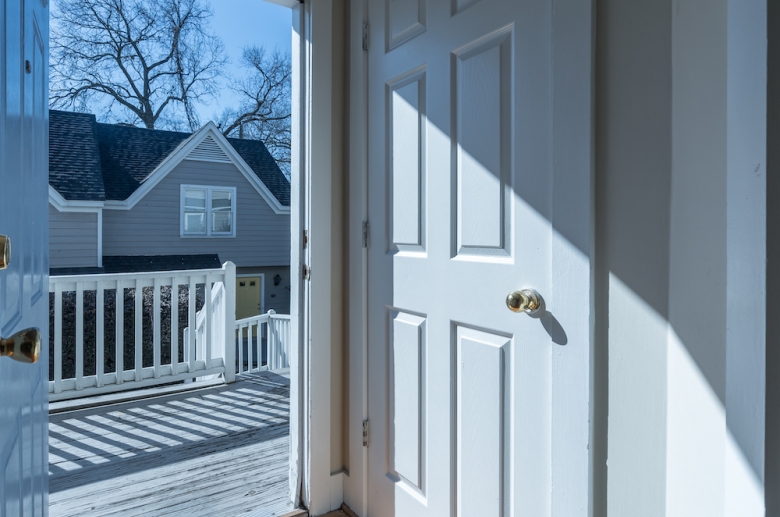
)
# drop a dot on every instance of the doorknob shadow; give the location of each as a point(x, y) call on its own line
point(551, 325)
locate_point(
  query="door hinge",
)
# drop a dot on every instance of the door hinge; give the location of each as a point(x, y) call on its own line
point(305, 239)
point(306, 272)
point(365, 36)
point(365, 234)
point(365, 433)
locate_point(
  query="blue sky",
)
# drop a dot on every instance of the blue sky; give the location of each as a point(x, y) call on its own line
point(242, 23)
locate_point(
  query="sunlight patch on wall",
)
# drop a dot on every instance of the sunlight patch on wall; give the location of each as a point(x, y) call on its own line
point(696, 432)
point(744, 491)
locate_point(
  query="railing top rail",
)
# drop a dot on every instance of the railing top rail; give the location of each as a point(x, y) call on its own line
point(109, 277)
point(262, 318)
point(253, 319)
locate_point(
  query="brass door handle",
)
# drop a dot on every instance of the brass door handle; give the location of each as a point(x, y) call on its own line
point(5, 251)
point(527, 300)
point(24, 346)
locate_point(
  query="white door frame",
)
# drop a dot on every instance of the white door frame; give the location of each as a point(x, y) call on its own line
point(311, 306)
point(314, 65)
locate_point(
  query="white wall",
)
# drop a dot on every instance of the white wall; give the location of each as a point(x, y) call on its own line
point(680, 144)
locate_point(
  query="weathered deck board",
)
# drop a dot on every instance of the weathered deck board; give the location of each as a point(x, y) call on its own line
point(220, 451)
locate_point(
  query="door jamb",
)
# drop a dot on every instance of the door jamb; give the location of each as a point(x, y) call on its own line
point(311, 305)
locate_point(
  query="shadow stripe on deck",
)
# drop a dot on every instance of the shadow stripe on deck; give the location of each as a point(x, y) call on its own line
point(216, 452)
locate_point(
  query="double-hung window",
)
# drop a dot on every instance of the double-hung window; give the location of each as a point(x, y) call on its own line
point(208, 211)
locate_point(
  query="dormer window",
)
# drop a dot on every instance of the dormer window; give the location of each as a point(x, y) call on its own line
point(208, 211)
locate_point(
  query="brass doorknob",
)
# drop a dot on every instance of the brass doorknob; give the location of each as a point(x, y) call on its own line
point(527, 300)
point(24, 346)
point(5, 251)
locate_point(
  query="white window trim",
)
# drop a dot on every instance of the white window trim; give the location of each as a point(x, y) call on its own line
point(208, 235)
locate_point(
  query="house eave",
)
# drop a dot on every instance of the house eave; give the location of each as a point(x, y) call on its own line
point(59, 202)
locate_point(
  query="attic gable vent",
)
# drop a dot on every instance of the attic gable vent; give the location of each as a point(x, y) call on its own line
point(208, 151)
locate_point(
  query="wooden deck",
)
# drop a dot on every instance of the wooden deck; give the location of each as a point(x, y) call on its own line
point(216, 452)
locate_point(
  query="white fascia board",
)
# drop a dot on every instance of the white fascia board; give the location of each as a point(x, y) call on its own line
point(64, 205)
point(181, 153)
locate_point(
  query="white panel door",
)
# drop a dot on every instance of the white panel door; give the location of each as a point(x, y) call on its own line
point(460, 186)
point(24, 296)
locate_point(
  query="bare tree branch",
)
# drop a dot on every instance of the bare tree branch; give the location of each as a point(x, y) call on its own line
point(152, 58)
point(264, 111)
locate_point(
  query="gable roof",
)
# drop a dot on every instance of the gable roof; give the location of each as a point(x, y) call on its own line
point(125, 158)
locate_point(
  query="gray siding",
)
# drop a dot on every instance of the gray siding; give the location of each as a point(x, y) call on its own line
point(73, 239)
point(152, 226)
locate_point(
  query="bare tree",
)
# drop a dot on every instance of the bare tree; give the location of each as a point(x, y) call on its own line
point(264, 110)
point(151, 58)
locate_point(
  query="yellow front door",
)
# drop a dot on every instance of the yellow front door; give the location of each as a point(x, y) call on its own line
point(248, 291)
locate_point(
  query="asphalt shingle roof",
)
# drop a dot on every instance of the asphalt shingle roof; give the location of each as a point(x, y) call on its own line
point(146, 263)
point(94, 161)
point(256, 155)
point(74, 159)
point(128, 155)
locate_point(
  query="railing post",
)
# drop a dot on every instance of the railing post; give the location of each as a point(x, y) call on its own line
point(271, 344)
point(229, 352)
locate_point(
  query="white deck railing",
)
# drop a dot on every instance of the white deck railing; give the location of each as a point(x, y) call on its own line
point(269, 332)
point(211, 350)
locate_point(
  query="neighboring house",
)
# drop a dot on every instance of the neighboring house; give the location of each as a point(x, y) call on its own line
point(127, 199)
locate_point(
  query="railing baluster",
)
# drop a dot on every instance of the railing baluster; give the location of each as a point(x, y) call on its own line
point(240, 349)
point(250, 349)
point(100, 337)
point(262, 331)
point(79, 336)
point(119, 354)
point(192, 324)
point(271, 348)
point(58, 338)
point(208, 330)
point(276, 344)
point(156, 317)
point(174, 325)
point(287, 339)
point(139, 330)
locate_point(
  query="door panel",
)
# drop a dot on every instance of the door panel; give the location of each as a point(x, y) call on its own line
point(459, 198)
point(483, 142)
point(408, 398)
point(405, 20)
point(484, 399)
point(406, 103)
point(24, 285)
